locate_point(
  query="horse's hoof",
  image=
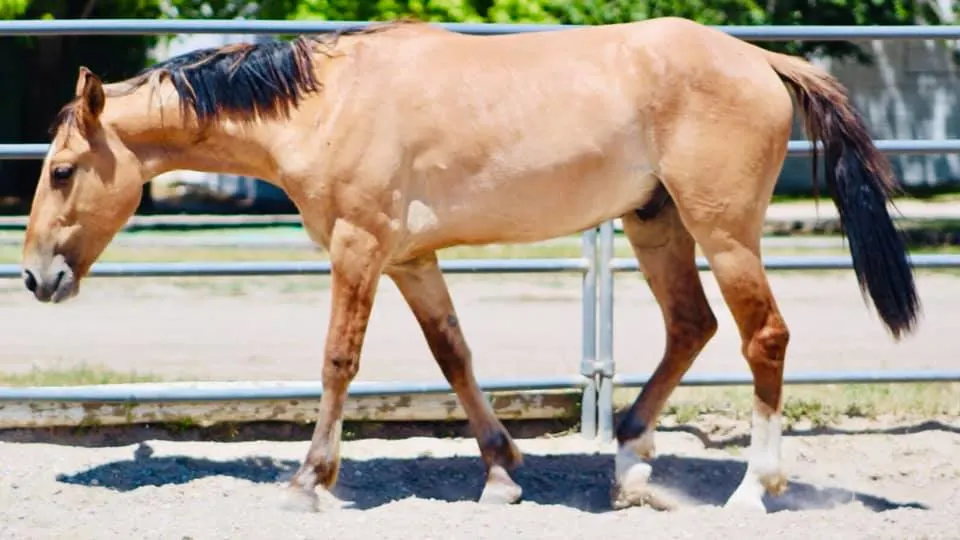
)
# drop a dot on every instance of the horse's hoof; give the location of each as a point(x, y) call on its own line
point(641, 495)
point(500, 494)
point(741, 502)
point(775, 484)
point(297, 499)
point(633, 487)
point(500, 488)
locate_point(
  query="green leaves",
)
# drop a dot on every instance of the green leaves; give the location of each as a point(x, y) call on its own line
point(712, 12)
point(11, 9)
point(381, 10)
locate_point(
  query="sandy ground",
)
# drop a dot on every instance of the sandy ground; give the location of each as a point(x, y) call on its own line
point(842, 486)
point(862, 484)
point(517, 326)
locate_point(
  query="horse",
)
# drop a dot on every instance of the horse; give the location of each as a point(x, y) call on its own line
point(398, 139)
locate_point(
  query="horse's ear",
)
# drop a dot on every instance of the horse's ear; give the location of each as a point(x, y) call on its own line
point(90, 92)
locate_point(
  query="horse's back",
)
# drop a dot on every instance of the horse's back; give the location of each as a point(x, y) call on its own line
point(528, 136)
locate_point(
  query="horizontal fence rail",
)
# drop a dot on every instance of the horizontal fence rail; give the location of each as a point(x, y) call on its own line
point(212, 391)
point(809, 262)
point(811, 378)
point(293, 268)
point(794, 148)
point(272, 390)
point(459, 266)
point(597, 265)
point(134, 27)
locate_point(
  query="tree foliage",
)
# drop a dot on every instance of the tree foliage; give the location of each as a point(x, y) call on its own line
point(713, 12)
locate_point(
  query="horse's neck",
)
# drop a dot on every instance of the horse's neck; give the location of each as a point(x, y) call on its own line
point(218, 150)
point(164, 142)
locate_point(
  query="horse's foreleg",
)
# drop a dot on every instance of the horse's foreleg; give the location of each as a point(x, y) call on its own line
point(665, 251)
point(356, 262)
point(425, 291)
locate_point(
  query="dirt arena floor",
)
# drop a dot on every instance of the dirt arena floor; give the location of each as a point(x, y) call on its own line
point(859, 486)
point(865, 480)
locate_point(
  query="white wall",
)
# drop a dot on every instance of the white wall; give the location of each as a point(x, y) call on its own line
point(911, 92)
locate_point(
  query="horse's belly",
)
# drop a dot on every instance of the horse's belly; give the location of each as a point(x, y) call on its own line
point(529, 210)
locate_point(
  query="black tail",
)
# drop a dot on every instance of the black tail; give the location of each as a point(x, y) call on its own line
point(861, 183)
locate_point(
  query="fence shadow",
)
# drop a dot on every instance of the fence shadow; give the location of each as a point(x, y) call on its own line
point(580, 481)
point(743, 440)
point(124, 435)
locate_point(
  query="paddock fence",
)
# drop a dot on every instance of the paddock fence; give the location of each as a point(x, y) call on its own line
point(594, 378)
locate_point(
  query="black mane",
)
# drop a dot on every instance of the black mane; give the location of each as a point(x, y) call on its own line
point(245, 81)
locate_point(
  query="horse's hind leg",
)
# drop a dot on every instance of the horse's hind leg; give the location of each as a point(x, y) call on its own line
point(764, 334)
point(665, 251)
point(425, 291)
point(724, 212)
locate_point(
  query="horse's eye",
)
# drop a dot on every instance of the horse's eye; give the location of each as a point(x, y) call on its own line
point(61, 174)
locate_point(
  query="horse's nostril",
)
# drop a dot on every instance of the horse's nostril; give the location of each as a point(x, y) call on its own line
point(60, 276)
point(30, 281)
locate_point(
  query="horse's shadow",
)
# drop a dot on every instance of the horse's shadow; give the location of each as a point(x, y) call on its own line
point(580, 481)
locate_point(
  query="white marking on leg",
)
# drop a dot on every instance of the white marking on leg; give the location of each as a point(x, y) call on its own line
point(763, 468)
point(632, 474)
point(299, 494)
point(630, 464)
point(500, 488)
point(298, 499)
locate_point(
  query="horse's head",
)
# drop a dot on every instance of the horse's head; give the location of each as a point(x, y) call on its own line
point(90, 184)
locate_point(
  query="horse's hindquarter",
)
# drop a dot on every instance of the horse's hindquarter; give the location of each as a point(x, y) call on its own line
point(519, 139)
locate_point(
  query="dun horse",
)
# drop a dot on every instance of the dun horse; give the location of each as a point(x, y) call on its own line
point(397, 140)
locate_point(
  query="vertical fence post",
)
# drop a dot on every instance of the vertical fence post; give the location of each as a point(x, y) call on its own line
point(605, 346)
point(588, 359)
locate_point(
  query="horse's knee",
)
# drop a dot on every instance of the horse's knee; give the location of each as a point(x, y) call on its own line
point(766, 351)
point(340, 368)
point(767, 347)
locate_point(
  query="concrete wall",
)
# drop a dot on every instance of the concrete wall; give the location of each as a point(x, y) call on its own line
point(911, 92)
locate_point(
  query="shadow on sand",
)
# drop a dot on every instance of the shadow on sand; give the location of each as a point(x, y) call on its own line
point(574, 480)
point(743, 440)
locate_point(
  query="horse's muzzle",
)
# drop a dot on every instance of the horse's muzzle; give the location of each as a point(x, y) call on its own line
point(54, 282)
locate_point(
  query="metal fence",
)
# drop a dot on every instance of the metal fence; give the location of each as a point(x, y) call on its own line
point(597, 373)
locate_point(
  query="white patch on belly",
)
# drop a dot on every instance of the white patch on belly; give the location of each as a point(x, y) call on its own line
point(420, 217)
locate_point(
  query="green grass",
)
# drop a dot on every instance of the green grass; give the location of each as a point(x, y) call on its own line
point(75, 376)
point(121, 250)
point(562, 248)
